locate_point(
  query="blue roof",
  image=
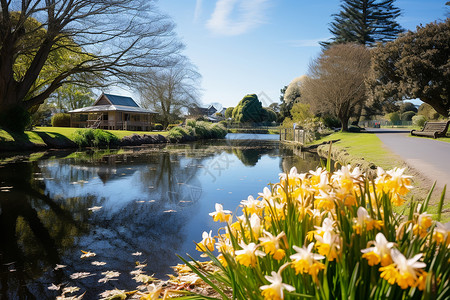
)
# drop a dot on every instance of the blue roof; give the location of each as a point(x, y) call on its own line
point(121, 100)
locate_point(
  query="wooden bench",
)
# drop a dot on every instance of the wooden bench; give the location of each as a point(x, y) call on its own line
point(433, 129)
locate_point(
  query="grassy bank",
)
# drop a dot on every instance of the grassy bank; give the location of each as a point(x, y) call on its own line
point(44, 137)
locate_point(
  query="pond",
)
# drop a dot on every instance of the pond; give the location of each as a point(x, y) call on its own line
point(126, 205)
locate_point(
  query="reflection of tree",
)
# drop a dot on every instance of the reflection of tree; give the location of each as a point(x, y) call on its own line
point(33, 228)
point(249, 152)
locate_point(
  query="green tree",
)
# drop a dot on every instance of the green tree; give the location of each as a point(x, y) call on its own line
point(364, 22)
point(123, 37)
point(229, 112)
point(70, 96)
point(250, 110)
point(416, 65)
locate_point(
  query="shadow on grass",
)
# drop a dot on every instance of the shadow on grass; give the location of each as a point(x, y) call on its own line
point(21, 141)
point(56, 141)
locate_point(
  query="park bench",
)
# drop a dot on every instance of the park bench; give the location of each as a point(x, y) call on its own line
point(432, 129)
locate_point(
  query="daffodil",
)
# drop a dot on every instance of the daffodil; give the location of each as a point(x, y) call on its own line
point(271, 244)
point(247, 256)
point(252, 206)
point(207, 242)
point(266, 194)
point(380, 252)
point(325, 200)
point(364, 220)
point(221, 215)
point(424, 222)
point(304, 261)
point(290, 179)
point(405, 272)
point(329, 244)
point(275, 290)
point(442, 233)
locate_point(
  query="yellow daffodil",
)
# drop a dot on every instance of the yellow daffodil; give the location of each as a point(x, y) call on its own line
point(221, 215)
point(325, 200)
point(304, 261)
point(252, 206)
point(364, 220)
point(442, 233)
point(275, 290)
point(328, 244)
point(405, 272)
point(271, 244)
point(207, 242)
point(380, 252)
point(247, 256)
point(290, 179)
point(266, 194)
point(424, 222)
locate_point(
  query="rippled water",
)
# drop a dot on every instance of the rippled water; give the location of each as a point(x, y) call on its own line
point(115, 203)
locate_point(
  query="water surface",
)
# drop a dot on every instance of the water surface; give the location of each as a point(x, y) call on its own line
point(115, 203)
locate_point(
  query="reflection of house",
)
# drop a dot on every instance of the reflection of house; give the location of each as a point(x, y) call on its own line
point(112, 112)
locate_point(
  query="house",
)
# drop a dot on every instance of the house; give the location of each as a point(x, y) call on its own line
point(203, 111)
point(112, 112)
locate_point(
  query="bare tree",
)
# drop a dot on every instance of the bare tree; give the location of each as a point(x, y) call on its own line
point(335, 83)
point(169, 90)
point(110, 38)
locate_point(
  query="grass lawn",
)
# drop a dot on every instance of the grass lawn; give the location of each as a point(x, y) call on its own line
point(27, 136)
point(68, 131)
point(364, 145)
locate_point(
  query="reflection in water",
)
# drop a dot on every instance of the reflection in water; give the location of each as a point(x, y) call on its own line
point(153, 201)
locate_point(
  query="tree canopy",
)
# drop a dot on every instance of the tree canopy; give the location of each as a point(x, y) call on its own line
point(110, 39)
point(416, 65)
point(364, 22)
point(250, 110)
point(169, 90)
point(335, 83)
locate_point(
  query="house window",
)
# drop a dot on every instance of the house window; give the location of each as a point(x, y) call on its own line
point(105, 117)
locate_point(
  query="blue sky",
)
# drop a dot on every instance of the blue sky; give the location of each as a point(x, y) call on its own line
point(258, 46)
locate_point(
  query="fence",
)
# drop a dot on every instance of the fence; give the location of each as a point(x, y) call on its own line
point(377, 123)
point(294, 135)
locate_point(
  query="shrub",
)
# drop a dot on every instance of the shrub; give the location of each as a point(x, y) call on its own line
point(94, 138)
point(407, 115)
point(419, 120)
point(331, 122)
point(158, 126)
point(190, 122)
point(61, 120)
point(324, 235)
point(393, 117)
point(170, 126)
point(177, 134)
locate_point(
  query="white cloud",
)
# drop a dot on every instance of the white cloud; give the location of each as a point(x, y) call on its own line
point(307, 43)
point(235, 17)
point(198, 10)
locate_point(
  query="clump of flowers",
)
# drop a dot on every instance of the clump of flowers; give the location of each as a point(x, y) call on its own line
point(327, 235)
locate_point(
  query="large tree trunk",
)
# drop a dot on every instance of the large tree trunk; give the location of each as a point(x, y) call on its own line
point(344, 123)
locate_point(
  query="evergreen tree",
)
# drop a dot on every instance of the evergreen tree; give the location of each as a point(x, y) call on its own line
point(365, 22)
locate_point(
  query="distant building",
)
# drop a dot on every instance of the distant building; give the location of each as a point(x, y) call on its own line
point(209, 113)
point(112, 112)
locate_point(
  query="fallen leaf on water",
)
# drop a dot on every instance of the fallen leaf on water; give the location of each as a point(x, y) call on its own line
point(95, 208)
point(87, 254)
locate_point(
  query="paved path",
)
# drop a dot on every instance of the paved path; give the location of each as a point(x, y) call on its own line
point(429, 157)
